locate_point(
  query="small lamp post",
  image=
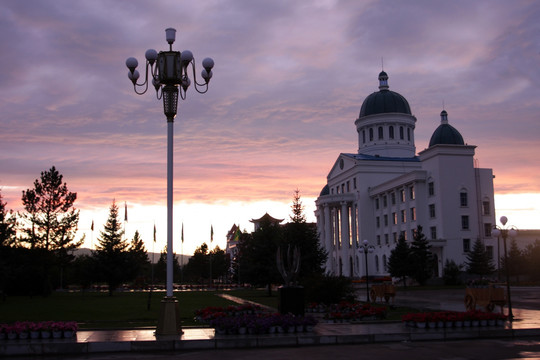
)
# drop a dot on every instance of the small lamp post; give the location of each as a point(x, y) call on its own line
point(366, 248)
point(169, 72)
point(510, 231)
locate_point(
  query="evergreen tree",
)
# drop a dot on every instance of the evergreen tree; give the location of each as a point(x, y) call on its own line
point(451, 273)
point(298, 233)
point(297, 208)
point(197, 268)
point(138, 258)
point(532, 260)
point(50, 216)
point(478, 261)
point(8, 225)
point(257, 256)
point(111, 252)
point(399, 262)
point(421, 257)
point(516, 261)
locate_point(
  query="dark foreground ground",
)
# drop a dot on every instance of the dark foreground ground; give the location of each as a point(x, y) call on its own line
point(430, 350)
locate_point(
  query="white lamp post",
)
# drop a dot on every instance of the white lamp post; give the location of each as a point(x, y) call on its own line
point(169, 73)
point(510, 231)
point(366, 248)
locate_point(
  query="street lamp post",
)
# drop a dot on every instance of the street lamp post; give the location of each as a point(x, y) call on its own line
point(511, 232)
point(366, 248)
point(169, 73)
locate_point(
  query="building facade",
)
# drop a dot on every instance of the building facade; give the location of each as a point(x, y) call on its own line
point(386, 190)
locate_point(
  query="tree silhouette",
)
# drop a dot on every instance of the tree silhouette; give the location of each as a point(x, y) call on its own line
point(421, 257)
point(478, 261)
point(111, 252)
point(399, 262)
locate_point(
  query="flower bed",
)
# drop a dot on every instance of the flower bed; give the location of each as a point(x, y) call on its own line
point(449, 319)
point(38, 330)
point(253, 320)
point(353, 312)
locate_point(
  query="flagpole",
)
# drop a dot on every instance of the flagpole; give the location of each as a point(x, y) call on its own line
point(182, 257)
point(210, 253)
point(152, 271)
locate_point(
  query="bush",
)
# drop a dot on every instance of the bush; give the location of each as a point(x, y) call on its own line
point(452, 273)
point(328, 289)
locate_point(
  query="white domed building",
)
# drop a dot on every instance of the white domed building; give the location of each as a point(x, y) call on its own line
point(386, 189)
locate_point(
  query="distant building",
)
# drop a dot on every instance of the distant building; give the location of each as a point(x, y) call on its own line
point(265, 217)
point(385, 190)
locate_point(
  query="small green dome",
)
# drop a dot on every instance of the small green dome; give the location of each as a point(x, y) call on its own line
point(384, 100)
point(446, 134)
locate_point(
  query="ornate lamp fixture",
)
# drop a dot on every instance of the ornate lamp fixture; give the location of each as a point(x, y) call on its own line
point(169, 73)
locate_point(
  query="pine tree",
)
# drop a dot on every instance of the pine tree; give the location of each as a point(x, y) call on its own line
point(478, 261)
point(8, 224)
point(50, 214)
point(297, 216)
point(421, 257)
point(111, 251)
point(138, 257)
point(399, 262)
point(516, 261)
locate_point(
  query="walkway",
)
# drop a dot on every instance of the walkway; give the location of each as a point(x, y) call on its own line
point(527, 324)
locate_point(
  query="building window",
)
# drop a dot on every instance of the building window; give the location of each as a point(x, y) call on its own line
point(343, 188)
point(393, 198)
point(465, 222)
point(354, 183)
point(433, 231)
point(384, 201)
point(363, 136)
point(466, 245)
point(394, 237)
point(489, 252)
point(386, 239)
point(384, 263)
point(370, 134)
point(413, 214)
point(432, 211)
point(378, 222)
point(401, 136)
point(487, 229)
point(486, 208)
point(403, 216)
point(381, 133)
point(394, 218)
point(391, 132)
point(411, 193)
point(348, 186)
point(402, 195)
point(378, 239)
point(463, 200)
point(385, 220)
point(409, 134)
point(377, 263)
point(431, 188)
point(377, 204)
point(403, 233)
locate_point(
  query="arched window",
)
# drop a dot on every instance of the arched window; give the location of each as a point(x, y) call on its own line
point(409, 134)
point(370, 134)
point(381, 133)
point(363, 136)
point(391, 132)
point(401, 134)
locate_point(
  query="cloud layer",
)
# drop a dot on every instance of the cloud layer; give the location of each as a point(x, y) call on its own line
point(289, 81)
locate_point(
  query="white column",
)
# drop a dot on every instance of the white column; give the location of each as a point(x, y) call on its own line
point(328, 245)
point(345, 240)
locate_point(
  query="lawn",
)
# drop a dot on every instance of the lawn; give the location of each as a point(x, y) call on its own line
point(94, 310)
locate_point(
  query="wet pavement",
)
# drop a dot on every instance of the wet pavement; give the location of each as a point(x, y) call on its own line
point(93, 344)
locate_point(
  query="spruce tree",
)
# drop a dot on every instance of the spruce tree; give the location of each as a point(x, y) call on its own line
point(478, 261)
point(399, 262)
point(111, 252)
point(421, 257)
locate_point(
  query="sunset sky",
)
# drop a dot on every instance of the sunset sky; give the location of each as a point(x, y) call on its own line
point(289, 80)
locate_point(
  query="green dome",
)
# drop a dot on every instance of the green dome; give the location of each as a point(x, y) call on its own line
point(384, 100)
point(446, 134)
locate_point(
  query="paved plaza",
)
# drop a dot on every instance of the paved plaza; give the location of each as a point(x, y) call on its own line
point(96, 344)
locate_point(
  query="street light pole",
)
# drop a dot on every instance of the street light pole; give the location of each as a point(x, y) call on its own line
point(511, 232)
point(366, 248)
point(168, 71)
